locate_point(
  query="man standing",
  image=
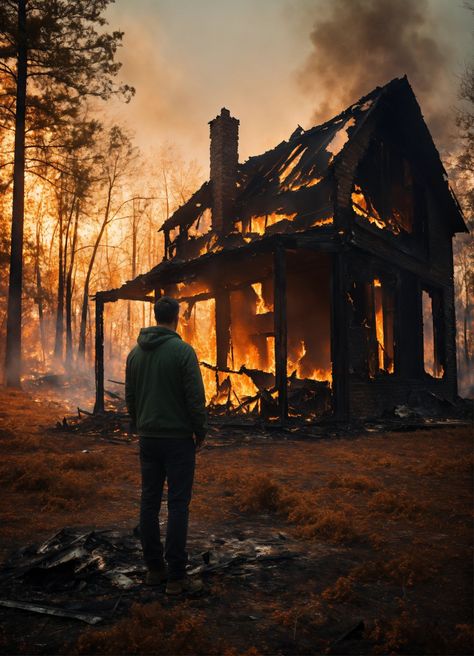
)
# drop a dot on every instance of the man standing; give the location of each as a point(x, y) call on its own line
point(165, 398)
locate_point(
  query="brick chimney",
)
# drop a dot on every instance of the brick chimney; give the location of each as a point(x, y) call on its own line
point(224, 160)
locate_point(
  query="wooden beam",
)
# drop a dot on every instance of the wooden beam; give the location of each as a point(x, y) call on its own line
point(280, 327)
point(340, 338)
point(222, 306)
point(99, 354)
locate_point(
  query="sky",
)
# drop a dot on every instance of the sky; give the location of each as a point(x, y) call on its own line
point(279, 63)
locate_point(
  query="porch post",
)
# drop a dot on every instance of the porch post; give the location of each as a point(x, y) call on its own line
point(340, 338)
point(280, 328)
point(222, 309)
point(99, 354)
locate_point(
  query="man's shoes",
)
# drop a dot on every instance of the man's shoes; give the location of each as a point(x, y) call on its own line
point(185, 585)
point(156, 576)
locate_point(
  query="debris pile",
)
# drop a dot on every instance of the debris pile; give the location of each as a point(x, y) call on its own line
point(85, 575)
point(114, 424)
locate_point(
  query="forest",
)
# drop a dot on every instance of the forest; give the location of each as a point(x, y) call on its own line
point(84, 204)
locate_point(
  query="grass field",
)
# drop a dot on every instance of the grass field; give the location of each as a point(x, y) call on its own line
point(385, 520)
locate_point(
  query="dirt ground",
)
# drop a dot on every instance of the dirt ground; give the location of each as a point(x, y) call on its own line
point(379, 527)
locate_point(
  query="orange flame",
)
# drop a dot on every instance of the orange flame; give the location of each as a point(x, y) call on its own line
point(262, 307)
point(364, 208)
point(259, 224)
point(322, 222)
point(302, 372)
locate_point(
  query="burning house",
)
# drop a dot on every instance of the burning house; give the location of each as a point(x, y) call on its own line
point(316, 279)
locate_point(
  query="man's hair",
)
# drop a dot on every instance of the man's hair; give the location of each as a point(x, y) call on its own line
point(166, 309)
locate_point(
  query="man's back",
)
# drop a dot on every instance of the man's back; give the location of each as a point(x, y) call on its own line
point(165, 398)
point(164, 390)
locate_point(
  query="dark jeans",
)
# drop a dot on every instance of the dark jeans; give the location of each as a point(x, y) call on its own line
point(172, 459)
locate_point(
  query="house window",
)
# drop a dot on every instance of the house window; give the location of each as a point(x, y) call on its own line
point(383, 192)
point(383, 311)
point(373, 306)
point(433, 333)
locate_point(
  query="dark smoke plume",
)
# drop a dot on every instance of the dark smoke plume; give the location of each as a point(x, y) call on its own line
point(360, 44)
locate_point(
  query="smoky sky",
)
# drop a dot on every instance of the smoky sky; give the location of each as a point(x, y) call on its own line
point(359, 44)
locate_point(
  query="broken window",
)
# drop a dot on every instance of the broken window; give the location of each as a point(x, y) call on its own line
point(252, 331)
point(383, 192)
point(309, 316)
point(373, 309)
point(384, 315)
point(202, 225)
point(197, 326)
point(433, 341)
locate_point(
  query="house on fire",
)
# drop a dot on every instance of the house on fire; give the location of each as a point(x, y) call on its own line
point(316, 279)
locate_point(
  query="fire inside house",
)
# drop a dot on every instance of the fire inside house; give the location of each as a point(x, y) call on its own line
point(316, 279)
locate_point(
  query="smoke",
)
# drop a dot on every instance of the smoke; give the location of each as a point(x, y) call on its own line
point(164, 98)
point(357, 45)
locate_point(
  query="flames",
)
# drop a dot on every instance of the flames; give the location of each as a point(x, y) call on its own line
point(322, 222)
point(260, 223)
point(383, 328)
point(197, 326)
point(297, 365)
point(252, 346)
point(262, 306)
point(363, 207)
point(290, 178)
point(288, 167)
point(379, 331)
point(432, 365)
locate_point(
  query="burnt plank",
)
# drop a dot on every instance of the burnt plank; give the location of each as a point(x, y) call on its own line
point(222, 306)
point(340, 337)
point(280, 323)
point(99, 354)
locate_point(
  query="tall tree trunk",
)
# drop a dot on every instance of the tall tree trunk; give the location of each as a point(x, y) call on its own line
point(466, 322)
point(69, 355)
point(85, 298)
point(134, 260)
point(13, 341)
point(58, 342)
point(39, 292)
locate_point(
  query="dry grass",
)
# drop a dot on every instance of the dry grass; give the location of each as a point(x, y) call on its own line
point(261, 494)
point(405, 569)
point(68, 481)
point(326, 524)
point(86, 462)
point(407, 633)
point(11, 442)
point(438, 467)
point(396, 503)
point(342, 590)
point(306, 617)
point(353, 482)
point(153, 629)
point(408, 493)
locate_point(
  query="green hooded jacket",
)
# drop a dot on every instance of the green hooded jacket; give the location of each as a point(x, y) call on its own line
point(164, 391)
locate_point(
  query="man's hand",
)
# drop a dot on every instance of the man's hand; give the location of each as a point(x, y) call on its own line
point(199, 441)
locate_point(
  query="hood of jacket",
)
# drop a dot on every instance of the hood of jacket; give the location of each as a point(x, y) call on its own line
point(154, 336)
